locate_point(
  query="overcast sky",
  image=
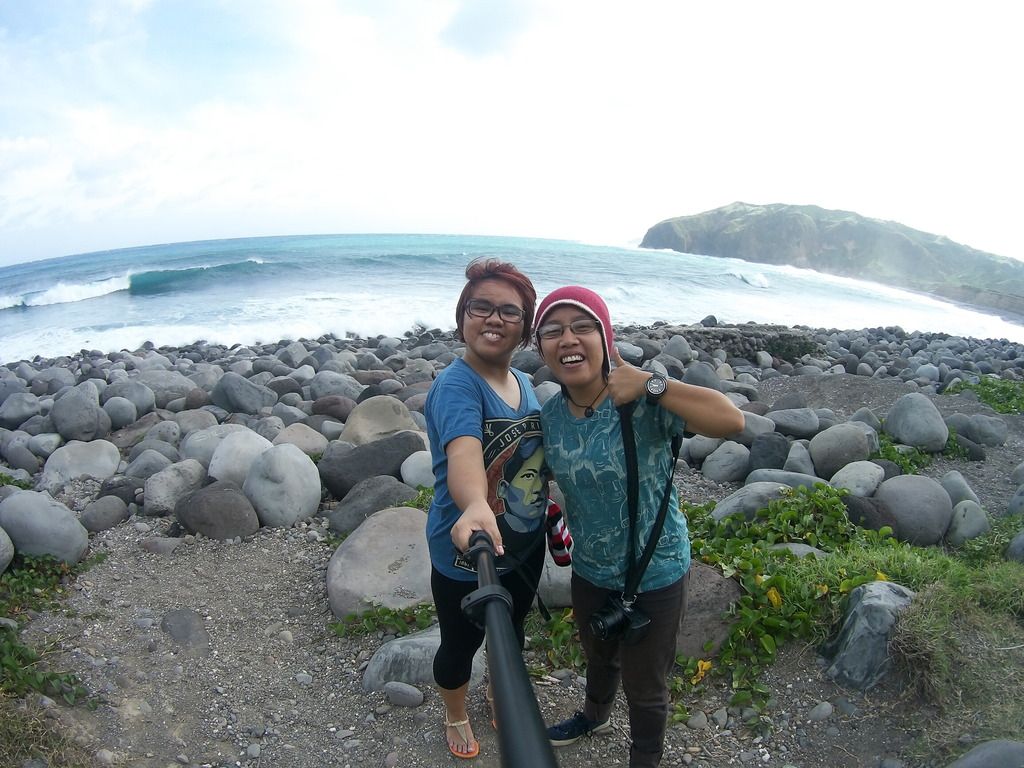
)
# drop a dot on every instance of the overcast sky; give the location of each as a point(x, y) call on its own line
point(131, 122)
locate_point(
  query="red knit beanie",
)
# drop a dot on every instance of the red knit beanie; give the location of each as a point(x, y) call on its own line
point(582, 298)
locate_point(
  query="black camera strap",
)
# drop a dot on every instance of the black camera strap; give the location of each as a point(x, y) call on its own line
point(635, 571)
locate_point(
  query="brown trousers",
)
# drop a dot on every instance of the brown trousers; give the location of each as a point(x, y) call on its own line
point(642, 667)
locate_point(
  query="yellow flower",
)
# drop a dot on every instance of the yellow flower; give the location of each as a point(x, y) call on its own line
point(774, 597)
point(822, 589)
point(758, 579)
point(879, 576)
point(702, 669)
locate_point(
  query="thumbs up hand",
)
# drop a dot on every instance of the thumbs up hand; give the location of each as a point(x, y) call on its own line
point(625, 382)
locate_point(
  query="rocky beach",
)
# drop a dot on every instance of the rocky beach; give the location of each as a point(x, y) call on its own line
point(243, 498)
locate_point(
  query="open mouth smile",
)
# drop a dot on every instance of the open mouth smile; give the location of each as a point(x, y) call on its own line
point(571, 359)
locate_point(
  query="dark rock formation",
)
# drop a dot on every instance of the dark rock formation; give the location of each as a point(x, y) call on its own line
point(847, 244)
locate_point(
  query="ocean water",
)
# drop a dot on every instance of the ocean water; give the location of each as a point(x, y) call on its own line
point(270, 288)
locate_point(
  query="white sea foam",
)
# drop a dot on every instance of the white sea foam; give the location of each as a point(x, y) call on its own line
point(66, 293)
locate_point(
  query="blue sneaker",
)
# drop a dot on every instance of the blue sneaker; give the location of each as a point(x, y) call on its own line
point(569, 731)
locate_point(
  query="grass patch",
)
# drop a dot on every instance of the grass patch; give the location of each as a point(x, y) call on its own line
point(6, 479)
point(27, 734)
point(1002, 395)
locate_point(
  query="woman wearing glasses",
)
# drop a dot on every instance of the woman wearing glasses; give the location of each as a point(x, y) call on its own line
point(583, 447)
point(483, 420)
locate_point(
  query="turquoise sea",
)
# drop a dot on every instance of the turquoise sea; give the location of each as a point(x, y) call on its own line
point(270, 288)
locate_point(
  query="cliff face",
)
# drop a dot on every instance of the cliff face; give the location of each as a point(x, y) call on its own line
point(844, 243)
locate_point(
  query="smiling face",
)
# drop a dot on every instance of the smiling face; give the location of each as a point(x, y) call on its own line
point(575, 360)
point(491, 340)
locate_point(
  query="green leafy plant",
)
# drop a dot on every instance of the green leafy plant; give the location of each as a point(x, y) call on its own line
point(33, 584)
point(556, 639)
point(908, 458)
point(6, 479)
point(776, 607)
point(423, 498)
point(1001, 395)
point(387, 621)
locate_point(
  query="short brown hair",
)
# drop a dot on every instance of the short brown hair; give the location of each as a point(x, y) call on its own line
point(486, 268)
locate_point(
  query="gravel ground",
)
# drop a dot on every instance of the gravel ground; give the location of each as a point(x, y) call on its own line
point(278, 689)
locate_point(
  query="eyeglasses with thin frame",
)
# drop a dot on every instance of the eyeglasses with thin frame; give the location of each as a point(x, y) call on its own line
point(580, 327)
point(510, 313)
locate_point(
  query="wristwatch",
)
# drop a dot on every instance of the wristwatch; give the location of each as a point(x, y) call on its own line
point(655, 386)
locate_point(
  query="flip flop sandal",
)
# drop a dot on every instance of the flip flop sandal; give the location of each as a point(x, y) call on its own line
point(460, 728)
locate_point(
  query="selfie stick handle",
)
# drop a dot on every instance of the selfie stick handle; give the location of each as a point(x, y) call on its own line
point(522, 735)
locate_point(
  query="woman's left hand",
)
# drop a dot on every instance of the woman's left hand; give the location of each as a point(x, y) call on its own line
point(625, 382)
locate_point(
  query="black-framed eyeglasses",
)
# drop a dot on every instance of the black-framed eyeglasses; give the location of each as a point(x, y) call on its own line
point(580, 327)
point(510, 313)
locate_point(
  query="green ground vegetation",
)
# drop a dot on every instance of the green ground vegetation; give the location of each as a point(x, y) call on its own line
point(1002, 395)
point(33, 584)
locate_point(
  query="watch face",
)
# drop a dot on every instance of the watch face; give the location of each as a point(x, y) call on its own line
point(656, 385)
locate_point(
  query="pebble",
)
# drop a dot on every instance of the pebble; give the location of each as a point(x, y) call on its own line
point(821, 711)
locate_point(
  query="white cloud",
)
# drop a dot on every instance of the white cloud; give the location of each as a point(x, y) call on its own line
point(589, 120)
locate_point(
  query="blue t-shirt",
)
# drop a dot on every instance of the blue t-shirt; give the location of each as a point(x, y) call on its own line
point(460, 403)
point(588, 462)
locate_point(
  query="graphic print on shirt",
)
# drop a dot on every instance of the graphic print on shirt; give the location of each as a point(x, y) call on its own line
point(516, 488)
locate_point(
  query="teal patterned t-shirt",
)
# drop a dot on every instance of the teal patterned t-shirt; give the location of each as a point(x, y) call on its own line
point(588, 461)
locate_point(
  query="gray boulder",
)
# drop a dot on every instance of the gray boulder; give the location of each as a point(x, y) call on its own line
point(410, 659)
point(753, 425)
point(792, 479)
point(837, 446)
point(188, 630)
point(103, 513)
point(332, 383)
point(17, 409)
point(164, 489)
point(340, 470)
point(859, 654)
point(147, 464)
point(121, 411)
point(958, 488)
point(193, 420)
point(218, 511)
point(38, 525)
point(920, 506)
point(417, 470)
point(729, 463)
point(969, 521)
point(998, 753)
point(77, 415)
point(914, 420)
point(236, 394)
point(367, 497)
point(377, 417)
point(1015, 549)
point(202, 444)
point(132, 390)
point(97, 458)
point(860, 478)
point(709, 595)
point(769, 451)
point(6, 550)
point(748, 500)
point(799, 460)
point(166, 385)
point(235, 454)
point(283, 485)
point(979, 428)
point(303, 437)
point(796, 422)
point(384, 562)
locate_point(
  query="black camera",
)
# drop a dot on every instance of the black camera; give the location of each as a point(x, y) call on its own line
point(616, 620)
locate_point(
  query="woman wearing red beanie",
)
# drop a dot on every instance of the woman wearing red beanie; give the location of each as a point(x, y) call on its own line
point(583, 446)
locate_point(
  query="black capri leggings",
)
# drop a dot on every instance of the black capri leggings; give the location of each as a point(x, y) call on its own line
point(460, 637)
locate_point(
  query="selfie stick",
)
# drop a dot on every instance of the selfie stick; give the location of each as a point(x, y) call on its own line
point(522, 736)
